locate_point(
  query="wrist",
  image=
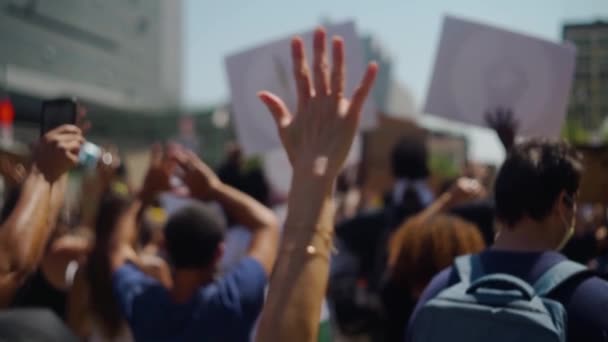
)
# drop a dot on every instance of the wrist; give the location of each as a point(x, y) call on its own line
point(313, 182)
point(37, 172)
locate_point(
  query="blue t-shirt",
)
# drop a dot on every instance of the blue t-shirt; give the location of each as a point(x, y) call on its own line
point(585, 300)
point(225, 310)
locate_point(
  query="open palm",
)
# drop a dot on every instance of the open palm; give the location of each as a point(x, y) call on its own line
point(318, 137)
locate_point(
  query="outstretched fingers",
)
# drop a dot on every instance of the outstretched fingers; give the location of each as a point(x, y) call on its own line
point(301, 72)
point(363, 90)
point(277, 108)
point(320, 63)
point(338, 68)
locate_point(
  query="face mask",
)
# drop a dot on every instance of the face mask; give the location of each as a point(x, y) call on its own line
point(568, 235)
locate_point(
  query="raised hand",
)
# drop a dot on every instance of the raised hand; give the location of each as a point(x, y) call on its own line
point(159, 173)
point(502, 121)
point(197, 176)
point(57, 152)
point(465, 190)
point(318, 137)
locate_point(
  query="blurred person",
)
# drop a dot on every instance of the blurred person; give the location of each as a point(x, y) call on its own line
point(535, 197)
point(27, 229)
point(198, 305)
point(317, 139)
point(348, 194)
point(152, 236)
point(66, 252)
point(230, 170)
point(596, 218)
point(248, 177)
point(358, 268)
point(418, 250)
point(49, 285)
point(482, 211)
point(94, 313)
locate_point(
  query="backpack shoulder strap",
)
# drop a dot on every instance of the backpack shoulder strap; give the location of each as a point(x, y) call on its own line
point(468, 268)
point(557, 275)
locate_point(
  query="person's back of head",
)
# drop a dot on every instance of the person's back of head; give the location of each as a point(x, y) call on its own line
point(409, 159)
point(538, 184)
point(423, 247)
point(193, 236)
point(420, 249)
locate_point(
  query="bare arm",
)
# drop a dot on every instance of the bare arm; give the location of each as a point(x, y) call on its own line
point(25, 233)
point(292, 311)
point(317, 140)
point(124, 238)
point(261, 221)
point(464, 190)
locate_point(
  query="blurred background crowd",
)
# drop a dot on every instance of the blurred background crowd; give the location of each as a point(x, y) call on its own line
point(149, 71)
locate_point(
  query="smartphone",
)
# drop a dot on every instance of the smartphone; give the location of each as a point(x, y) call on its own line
point(56, 113)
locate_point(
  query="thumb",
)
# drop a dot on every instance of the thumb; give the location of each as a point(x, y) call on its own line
point(277, 108)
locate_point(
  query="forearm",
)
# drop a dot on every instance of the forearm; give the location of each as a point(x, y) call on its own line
point(57, 200)
point(441, 204)
point(297, 288)
point(245, 210)
point(28, 228)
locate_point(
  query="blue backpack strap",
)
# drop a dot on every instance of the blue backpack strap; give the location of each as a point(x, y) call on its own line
point(468, 268)
point(557, 275)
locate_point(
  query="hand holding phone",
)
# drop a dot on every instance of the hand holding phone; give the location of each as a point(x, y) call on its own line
point(56, 113)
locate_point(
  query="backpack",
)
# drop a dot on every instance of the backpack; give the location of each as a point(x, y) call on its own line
point(496, 307)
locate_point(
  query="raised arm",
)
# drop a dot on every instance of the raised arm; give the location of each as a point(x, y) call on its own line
point(317, 140)
point(464, 190)
point(25, 233)
point(261, 221)
point(125, 236)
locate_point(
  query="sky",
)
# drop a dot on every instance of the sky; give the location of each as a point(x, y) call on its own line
point(407, 29)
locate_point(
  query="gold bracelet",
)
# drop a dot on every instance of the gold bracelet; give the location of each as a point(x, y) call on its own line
point(311, 250)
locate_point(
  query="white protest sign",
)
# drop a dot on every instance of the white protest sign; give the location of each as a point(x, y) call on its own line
point(269, 67)
point(480, 68)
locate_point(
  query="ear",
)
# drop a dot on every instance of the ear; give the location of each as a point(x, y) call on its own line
point(564, 203)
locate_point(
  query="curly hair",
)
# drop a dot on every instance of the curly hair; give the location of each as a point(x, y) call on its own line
point(422, 247)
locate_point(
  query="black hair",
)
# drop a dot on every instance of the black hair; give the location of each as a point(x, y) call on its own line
point(192, 236)
point(532, 178)
point(98, 270)
point(409, 158)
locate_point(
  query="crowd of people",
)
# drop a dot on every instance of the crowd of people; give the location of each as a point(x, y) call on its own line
point(469, 262)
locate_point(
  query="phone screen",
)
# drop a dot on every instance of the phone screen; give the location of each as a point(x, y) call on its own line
point(56, 113)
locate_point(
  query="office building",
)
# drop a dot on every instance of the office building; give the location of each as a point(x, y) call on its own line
point(123, 55)
point(589, 101)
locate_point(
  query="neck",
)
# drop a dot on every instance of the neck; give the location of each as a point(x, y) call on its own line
point(525, 236)
point(187, 281)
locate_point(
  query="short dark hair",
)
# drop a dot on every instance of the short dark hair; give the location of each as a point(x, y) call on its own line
point(192, 236)
point(409, 158)
point(532, 178)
